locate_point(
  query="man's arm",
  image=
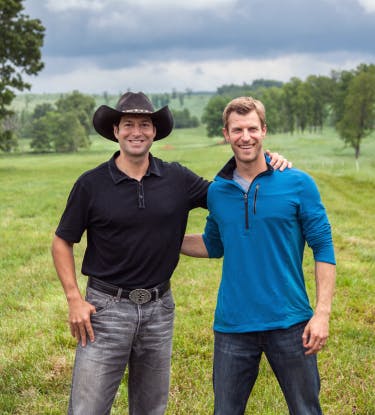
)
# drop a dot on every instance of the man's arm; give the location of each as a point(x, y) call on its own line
point(193, 245)
point(79, 309)
point(316, 331)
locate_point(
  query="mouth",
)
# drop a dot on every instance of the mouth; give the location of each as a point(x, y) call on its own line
point(246, 147)
point(136, 141)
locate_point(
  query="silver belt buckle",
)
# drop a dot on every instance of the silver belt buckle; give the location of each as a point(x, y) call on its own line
point(140, 296)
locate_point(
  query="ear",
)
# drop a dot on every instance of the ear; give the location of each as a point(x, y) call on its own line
point(225, 134)
point(115, 130)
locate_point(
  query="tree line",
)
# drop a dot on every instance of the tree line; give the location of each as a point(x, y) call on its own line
point(345, 100)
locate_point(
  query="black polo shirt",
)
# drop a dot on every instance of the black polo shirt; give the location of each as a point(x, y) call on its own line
point(134, 228)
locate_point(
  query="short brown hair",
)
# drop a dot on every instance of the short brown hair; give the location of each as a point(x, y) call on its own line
point(242, 106)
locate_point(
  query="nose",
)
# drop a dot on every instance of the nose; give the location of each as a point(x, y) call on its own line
point(136, 130)
point(246, 135)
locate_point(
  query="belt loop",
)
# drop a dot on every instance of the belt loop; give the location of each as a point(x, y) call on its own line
point(118, 296)
point(157, 294)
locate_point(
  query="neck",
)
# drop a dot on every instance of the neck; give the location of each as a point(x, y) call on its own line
point(249, 170)
point(134, 167)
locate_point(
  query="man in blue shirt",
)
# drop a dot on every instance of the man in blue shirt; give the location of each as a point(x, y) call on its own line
point(259, 220)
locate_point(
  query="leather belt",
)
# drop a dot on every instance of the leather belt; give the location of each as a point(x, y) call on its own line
point(137, 296)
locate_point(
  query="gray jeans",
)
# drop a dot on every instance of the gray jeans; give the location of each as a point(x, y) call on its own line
point(139, 336)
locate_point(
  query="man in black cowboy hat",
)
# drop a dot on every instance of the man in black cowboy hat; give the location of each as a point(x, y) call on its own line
point(134, 209)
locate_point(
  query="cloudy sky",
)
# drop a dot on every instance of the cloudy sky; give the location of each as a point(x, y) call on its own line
point(157, 45)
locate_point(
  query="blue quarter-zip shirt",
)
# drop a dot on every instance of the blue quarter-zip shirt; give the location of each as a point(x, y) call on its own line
point(262, 234)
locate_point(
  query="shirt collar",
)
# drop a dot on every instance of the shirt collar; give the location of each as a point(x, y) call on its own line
point(227, 171)
point(119, 176)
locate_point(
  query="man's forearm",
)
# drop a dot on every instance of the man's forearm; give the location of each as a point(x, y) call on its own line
point(325, 275)
point(62, 253)
point(193, 245)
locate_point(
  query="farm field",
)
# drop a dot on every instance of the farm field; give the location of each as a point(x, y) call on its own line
point(37, 350)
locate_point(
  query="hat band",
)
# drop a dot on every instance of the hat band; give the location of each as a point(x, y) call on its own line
point(138, 110)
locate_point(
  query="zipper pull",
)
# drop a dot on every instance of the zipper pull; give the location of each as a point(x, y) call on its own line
point(255, 199)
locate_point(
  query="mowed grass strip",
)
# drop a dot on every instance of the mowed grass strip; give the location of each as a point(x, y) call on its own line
point(37, 350)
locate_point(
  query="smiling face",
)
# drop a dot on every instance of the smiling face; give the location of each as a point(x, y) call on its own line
point(135, 134)
point(245, 134)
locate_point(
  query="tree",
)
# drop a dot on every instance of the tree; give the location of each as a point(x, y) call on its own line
point(183, 119)
point(20, 53)
point(41, 133)
point(358, 118)
point(289, 109)
point(60, 132)
point(71, 135)
point(342, 81)
point(321, 90)
point(272, 99)
point(212, 115)
point(82, 105)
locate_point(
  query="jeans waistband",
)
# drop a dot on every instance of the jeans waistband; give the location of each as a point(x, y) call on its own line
point(138, 295)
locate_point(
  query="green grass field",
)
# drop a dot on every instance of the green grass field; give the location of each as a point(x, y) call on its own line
point(36, 349)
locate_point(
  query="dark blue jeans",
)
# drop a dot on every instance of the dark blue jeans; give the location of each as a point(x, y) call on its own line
point(236, 366)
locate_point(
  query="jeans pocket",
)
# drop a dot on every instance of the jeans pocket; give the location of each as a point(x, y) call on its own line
point(167, 301)
point(99, 300)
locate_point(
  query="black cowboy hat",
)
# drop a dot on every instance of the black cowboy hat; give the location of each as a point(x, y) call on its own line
point(132, 103)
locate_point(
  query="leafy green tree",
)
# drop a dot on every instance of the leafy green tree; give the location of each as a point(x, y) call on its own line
point(59, 132)
point(183, 119)
point(358, 118)
point(321, 91)
point(41, 133)
point(304, 106)
point(20, 53)
point(212, 115)
point(41, 110)
point(8, 141)
point(272, 99)
point(71, 135)
point(290, 92)
point(82, 105)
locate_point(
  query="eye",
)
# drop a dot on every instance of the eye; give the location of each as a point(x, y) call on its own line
point(236, 131)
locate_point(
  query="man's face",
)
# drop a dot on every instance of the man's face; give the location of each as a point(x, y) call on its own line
point(245, 135)
point(135, 134)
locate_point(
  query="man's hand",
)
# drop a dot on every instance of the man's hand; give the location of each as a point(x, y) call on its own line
point(80, 320)
point(278, 162)
point(315, 334)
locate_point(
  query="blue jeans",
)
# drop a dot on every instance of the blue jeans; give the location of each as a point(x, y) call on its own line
point(236, 366)
point(126, 334)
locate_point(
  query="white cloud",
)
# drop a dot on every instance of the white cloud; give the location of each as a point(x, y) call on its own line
point(188, 4)
point(199, 76)
point(60, 6)
point(121, 6)
point(368, 5)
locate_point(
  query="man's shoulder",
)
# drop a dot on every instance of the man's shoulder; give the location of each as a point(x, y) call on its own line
point(293, 174)
point(94, 173)
point(173, 167)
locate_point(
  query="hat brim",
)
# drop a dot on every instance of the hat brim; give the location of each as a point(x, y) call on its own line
point(105, 117)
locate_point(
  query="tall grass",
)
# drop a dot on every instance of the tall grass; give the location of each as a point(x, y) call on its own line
point(36, 349)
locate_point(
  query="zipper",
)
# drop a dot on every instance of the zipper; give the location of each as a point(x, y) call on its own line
point(246, 200)
point(255, 199)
